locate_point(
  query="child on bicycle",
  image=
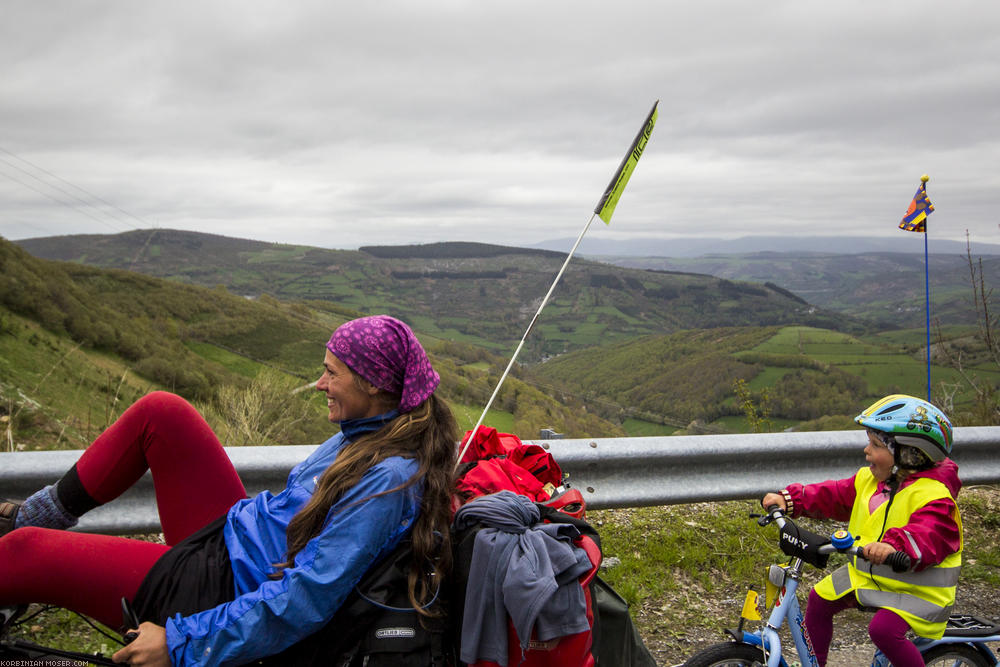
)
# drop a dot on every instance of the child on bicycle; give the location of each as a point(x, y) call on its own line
point(904, 500)
point(242, 578)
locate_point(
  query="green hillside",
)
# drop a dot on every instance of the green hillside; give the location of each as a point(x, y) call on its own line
point(78, 344)
point(476, 293)
point(677, 377)
point(636, 352)
point(800, 374)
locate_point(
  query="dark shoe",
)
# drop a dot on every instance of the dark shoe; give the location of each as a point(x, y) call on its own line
point(8, 515)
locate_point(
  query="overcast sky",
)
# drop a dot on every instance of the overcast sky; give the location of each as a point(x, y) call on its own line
point(341, 124)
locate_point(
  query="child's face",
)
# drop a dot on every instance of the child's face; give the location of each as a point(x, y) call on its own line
point(879, 458)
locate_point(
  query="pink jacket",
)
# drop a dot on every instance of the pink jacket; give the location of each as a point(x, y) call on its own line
point(933, 528)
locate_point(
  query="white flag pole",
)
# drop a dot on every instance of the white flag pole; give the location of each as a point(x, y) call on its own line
point(489, 403)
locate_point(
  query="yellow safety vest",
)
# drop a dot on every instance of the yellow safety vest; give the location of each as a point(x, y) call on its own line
point(924, 599)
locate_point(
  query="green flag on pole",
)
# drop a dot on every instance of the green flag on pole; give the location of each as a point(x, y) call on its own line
point(606, 206)
point(604, 209)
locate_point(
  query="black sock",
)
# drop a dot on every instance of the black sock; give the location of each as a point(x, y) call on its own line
point(73, 497)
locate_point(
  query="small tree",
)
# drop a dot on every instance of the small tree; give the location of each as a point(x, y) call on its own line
point(758, 415)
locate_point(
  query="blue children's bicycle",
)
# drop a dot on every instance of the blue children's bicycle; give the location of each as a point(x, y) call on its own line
point(964, 642)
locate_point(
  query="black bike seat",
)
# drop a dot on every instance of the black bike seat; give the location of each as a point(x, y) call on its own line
point(966, 625)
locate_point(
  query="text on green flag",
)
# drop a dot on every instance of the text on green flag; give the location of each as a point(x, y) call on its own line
point(606, 206)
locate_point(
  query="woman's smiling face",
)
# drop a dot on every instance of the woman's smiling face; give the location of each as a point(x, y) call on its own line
point(347, 396)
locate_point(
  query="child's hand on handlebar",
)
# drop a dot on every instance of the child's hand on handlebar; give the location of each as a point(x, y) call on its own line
point(774, 499)
point(877, 552)
point(149, 648)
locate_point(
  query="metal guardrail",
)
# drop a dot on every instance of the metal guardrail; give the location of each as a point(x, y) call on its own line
point(610, 472)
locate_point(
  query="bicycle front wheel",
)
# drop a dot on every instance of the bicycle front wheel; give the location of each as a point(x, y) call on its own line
point(730, 654)
point(955, 655)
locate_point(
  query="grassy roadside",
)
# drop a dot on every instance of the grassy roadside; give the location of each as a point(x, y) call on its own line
point(684, 569)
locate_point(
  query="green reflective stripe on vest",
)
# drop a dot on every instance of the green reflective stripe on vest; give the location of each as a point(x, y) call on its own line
point(904, 602)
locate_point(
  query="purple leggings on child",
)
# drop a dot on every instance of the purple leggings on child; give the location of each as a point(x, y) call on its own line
point(887, 630)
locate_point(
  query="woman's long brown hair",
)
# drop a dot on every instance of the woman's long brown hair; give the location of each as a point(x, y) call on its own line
point(427, 433)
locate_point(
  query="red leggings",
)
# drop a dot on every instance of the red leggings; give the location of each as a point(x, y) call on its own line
point(195, 483)
point(887, 630)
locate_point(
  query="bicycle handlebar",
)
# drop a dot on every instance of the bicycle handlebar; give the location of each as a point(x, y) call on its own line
point(899, 561)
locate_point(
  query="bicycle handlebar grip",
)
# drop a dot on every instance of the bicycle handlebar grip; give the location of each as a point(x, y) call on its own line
point(899, 561)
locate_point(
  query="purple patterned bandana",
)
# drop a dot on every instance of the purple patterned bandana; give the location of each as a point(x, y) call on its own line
point(384, 351)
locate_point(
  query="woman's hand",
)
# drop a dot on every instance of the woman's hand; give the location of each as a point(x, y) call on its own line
point(877, 552)
point(774, 499)
point(149, 648)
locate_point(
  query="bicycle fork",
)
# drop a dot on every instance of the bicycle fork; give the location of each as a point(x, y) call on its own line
point(783, 582)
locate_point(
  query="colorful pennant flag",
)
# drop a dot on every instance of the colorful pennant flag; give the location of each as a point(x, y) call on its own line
point(606, 206)
point(915, 219)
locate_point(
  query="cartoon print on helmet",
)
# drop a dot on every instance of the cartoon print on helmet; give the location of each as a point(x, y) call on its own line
point(919, 420)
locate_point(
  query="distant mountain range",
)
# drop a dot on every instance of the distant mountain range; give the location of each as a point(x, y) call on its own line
point(485, 293)
point(697, 247)
point(473, 292)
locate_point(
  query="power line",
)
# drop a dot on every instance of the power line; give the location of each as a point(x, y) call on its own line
point(59, 201)
point(115, 207)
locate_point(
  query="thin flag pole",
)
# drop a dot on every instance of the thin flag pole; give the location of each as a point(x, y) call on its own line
point(915, 220)
point(527, 331)
point(927, 310)
point(605, 208)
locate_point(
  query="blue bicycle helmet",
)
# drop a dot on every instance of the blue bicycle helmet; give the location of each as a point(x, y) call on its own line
point(911, 421)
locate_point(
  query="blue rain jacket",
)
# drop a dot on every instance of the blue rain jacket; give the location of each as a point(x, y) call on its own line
point(270, 615)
